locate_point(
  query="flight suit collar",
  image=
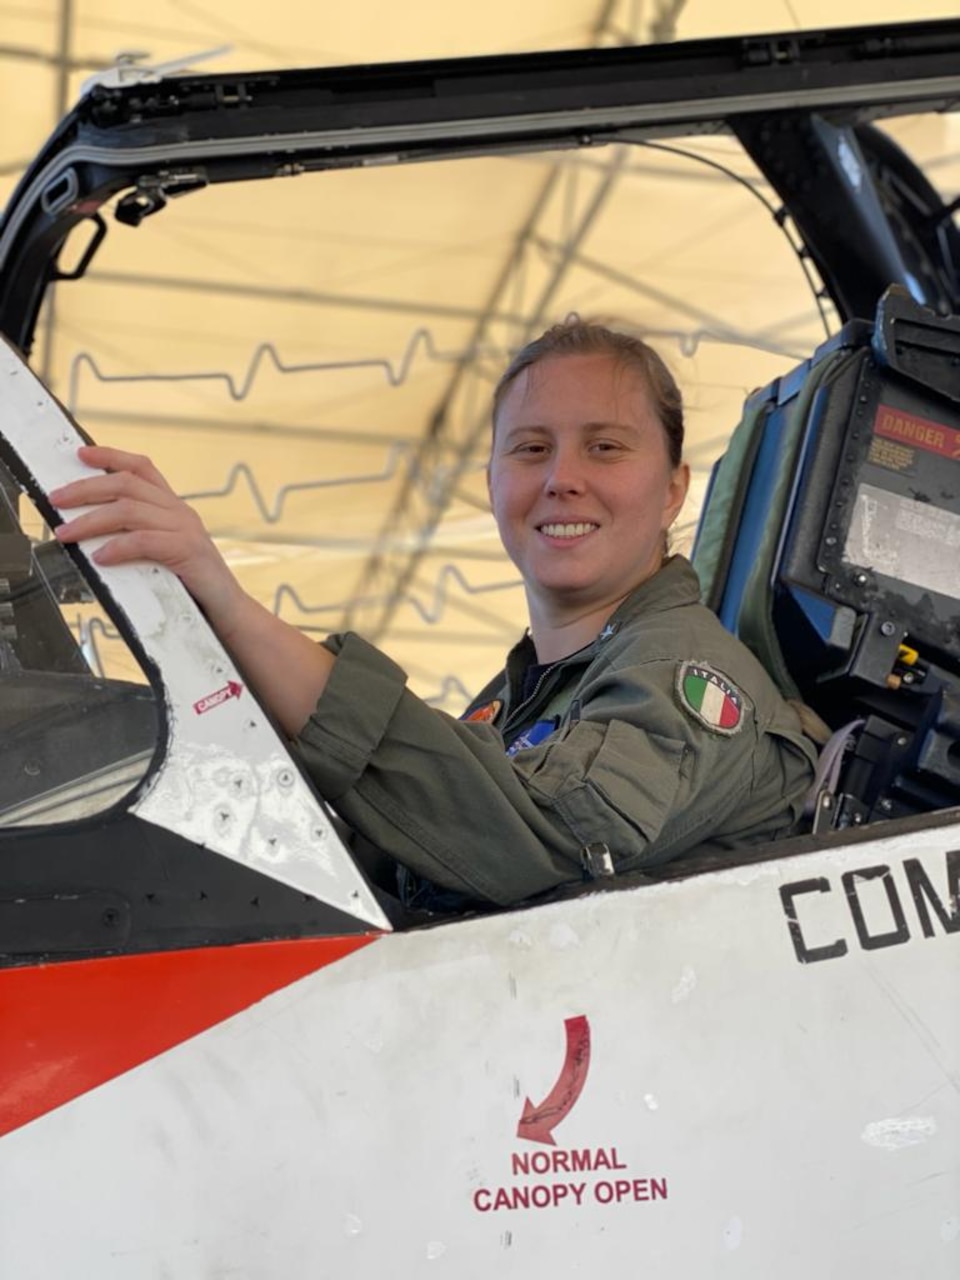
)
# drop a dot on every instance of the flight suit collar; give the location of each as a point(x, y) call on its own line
point(676, 583)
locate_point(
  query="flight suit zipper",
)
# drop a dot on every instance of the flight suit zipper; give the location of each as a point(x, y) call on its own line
point(517, 716)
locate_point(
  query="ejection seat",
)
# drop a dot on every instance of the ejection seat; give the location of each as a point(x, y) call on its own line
point(830, 543)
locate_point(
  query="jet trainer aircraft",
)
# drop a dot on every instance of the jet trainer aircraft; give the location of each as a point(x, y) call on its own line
point(219, 1056)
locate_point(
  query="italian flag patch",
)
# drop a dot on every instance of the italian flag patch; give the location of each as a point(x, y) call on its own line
point(710, 698)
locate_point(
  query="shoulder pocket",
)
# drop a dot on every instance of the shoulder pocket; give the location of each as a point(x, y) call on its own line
point(628, 786)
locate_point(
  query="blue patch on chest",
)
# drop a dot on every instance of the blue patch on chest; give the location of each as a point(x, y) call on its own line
point(534, 735)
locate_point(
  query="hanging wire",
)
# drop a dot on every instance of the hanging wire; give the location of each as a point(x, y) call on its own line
point(778, 215)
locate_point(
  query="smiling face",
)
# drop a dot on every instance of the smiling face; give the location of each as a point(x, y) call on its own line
point(582, 486)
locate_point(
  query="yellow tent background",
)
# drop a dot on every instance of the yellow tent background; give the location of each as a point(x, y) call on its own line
point(281, 348)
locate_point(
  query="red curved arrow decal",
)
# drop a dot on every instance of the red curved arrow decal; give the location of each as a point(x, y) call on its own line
point(537, 1123)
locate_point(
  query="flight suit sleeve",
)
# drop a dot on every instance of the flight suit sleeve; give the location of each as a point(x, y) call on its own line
point(442, 797)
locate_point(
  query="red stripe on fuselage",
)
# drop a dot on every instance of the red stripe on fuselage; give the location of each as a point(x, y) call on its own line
point(66, 1028)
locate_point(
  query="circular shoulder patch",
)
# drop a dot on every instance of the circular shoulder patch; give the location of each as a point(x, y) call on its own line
point(710, 698)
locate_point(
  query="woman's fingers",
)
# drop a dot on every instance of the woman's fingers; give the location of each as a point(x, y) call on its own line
point(143, 519)
point(122, 503)
point(137, 510)
point(124, 515)
point(112, 487)
point(174, 537)
point(137, 464)
point(125, 501)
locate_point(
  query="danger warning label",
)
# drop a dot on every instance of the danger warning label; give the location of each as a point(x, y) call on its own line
point(934, 437)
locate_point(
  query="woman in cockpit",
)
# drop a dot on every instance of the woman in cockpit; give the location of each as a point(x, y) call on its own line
point(628, 728)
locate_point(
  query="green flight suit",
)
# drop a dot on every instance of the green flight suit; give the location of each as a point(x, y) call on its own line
point(666, 737)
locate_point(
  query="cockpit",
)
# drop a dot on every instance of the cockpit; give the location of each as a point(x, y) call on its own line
point(829, 536)
point(830, 545)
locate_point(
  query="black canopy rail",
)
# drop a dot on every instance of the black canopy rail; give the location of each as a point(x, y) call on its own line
point(150, 141)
